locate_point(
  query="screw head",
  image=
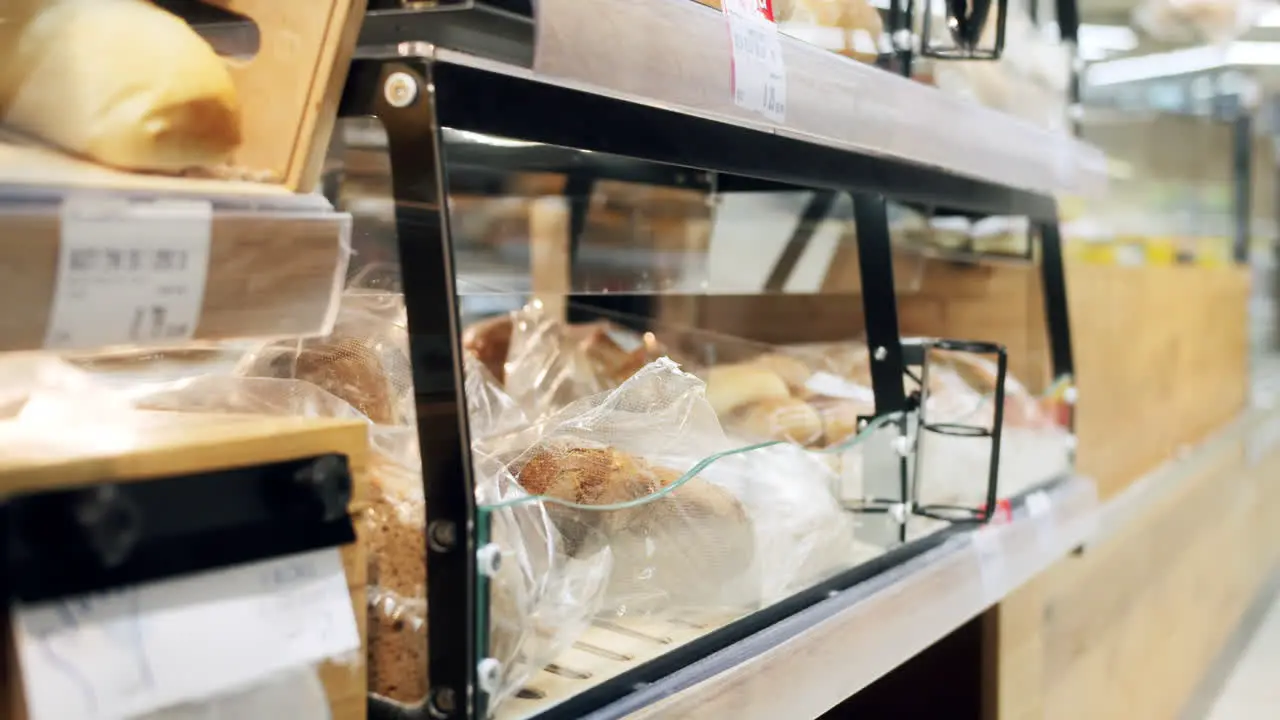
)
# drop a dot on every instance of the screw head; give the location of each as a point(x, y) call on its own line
point(443, 535)
point(401, 90)
point(443, 703)
point(880, 354)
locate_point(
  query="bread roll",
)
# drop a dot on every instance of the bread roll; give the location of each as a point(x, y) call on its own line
point(490, 340)
point(793, 371)
point(349, 368)
point(615, 353)
point(120, 82)
point(680, 547)
point(859, 24)
point(729, 387)
point(839, 418)
point(787, 419)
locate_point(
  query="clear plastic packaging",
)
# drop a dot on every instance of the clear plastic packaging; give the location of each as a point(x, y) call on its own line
point(684, 510)
point(549, 363)
point(541, 599)
point(364, 361)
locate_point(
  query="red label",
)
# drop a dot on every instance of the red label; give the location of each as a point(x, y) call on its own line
point(1003, 513)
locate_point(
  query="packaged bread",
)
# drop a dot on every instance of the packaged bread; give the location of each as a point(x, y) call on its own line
point(490, 341)
point(393, 525)
point(852, 28)
point(789, 419)
point(732, 386)
point(120, 82)
point(678, 545)
point(364, 361)
point(550, 363)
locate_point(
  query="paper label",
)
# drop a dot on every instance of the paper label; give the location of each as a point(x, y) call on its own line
point(1040, 508)
point(759, 74)
point(129, 273)
point(828, 385)
point(986, 540)
point(135, 650)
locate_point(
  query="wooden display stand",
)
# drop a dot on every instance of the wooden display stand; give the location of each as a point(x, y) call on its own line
point(177, 444)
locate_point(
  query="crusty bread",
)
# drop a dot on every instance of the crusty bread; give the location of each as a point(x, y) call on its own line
point(730, 387)
point(683, 546)
point(349, 368)
point(489, 340)
point(120, 82)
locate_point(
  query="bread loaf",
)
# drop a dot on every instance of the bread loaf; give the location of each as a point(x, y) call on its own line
point(730, 387)
point(490, 340)
point(395, 527)
point(343, 366)
point(789, 419)
point(682, 546)
point(120, 82)
point(839, 418)
point(793, 371)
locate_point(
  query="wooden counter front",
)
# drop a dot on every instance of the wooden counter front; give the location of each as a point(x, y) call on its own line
point(151, 445)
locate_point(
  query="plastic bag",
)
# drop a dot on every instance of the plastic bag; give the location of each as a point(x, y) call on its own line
point(615, 465)
point(364, 361)
point(541, 600)
point(550, 364)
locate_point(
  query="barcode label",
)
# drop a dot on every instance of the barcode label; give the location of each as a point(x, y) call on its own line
point(990, 551)
point(759, 74)
point(131, 651)
point(129, 273)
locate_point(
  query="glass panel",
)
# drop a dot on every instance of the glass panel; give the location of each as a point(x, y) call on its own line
point(668, 395)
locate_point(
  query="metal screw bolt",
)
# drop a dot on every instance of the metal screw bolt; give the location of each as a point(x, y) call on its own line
point(443, 534)
point(443, 703)
point(880, 354)
point(401, 90)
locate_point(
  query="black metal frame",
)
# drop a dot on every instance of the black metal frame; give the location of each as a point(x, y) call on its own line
point(434, 95)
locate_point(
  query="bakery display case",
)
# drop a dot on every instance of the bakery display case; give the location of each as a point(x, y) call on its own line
point(662, 362)
point(597, 395)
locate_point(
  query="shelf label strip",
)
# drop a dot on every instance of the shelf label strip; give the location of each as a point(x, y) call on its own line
point(129, 272)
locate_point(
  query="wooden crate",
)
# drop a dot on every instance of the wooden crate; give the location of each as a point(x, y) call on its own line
point(290, 89)
point(174, 444)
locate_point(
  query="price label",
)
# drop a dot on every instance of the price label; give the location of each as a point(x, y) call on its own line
point(986, 540)
point(759, 75)
point(129, 273)
point(1040, 508)
point(135, 650)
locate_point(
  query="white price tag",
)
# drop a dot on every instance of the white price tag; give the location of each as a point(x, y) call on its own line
point(1040, 508)
point(129, 272)
point(131, 651)
point(986, 540)
point(759, 74)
